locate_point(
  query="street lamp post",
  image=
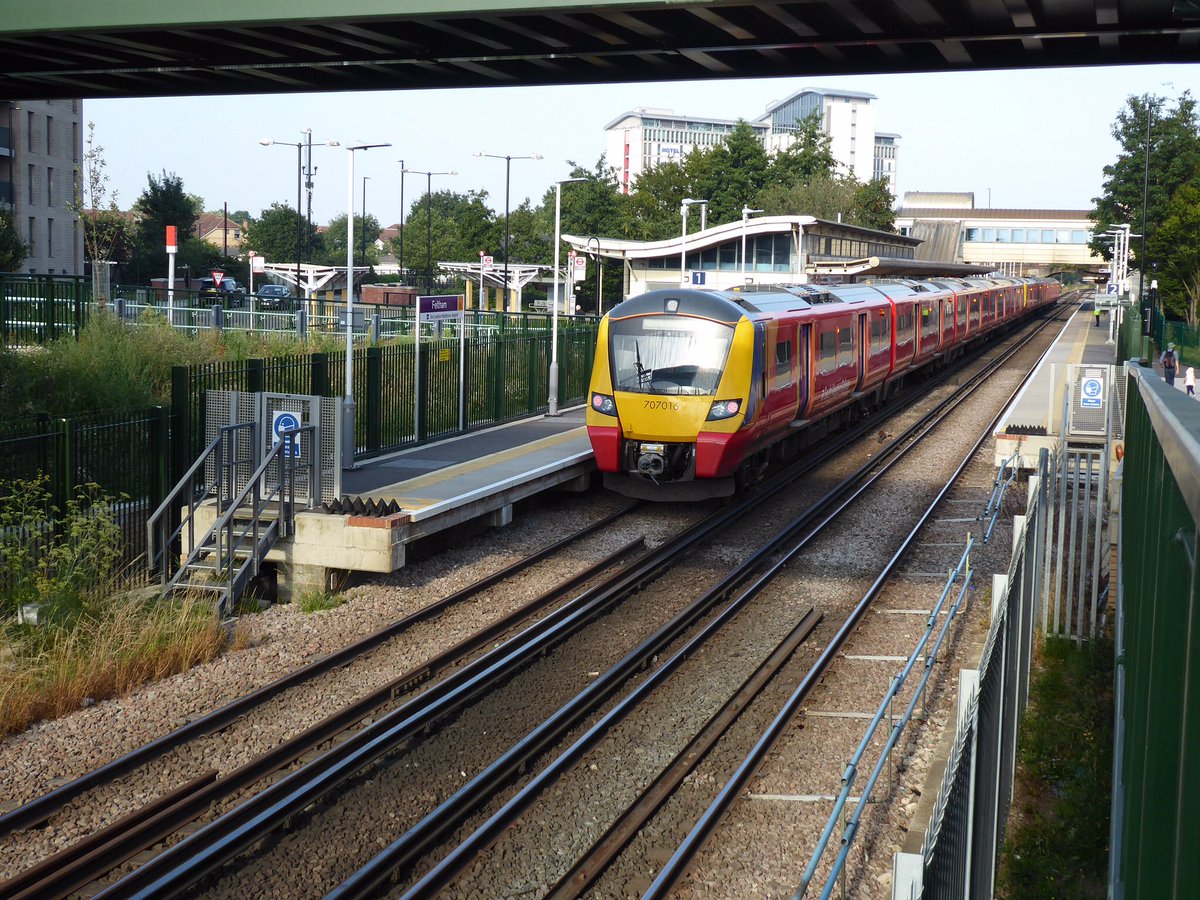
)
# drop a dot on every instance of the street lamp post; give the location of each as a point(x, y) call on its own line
point(348, 435)
point(362, 241)
point(507, 178)
point(596, 256)
point(401, 221)
point(683, 209)
point(553, 395)
point(299, 145)
point(1145, 203)
point(746, 213)
point(428, 222)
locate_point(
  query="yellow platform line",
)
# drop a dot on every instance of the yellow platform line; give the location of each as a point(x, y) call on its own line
point(395, 490)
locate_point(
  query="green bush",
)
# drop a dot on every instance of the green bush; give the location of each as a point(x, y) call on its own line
point(1059, 847)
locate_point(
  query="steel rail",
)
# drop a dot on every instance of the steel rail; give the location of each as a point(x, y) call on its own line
point(138, 832)
point(209, 848)
point(39, 810)
point(674, 869)
point(419, 839)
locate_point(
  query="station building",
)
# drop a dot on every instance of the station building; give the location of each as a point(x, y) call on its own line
point(778, 250)
point(1011, 241)
point(41, 145)
point(638, 140)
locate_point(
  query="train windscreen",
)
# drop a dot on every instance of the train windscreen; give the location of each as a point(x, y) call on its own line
point(668, 354)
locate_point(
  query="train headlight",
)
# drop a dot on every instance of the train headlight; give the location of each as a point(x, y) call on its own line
point(604, 404)
point(724, 409)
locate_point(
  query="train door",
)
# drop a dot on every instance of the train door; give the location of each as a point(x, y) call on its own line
point(864, 349)
point(803, 368)
point(782, 396)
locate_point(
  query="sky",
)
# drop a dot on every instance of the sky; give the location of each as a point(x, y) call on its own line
point(1018, 139)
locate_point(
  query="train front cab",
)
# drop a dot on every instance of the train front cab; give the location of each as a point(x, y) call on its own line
point(678, 391)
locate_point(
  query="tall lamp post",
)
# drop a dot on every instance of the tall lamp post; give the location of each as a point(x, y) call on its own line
point(401, 221)
point(362, 241)
point(299, 145)
point(428, 222)
point(507, 179)
point(683, 209)
point(348, 434)
point(553, 395)
point(1145, 202)
point(746, 213)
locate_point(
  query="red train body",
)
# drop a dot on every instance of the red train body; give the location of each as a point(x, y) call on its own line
point(693, 390)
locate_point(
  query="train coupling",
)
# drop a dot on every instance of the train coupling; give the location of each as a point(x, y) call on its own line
point(652, 459)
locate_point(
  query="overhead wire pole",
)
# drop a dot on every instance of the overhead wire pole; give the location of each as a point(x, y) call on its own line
point(428, 221)
point(401, 221)
point(1145, 201)
point(300, 220)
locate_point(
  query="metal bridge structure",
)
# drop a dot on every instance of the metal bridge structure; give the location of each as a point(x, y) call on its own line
point(128, 48)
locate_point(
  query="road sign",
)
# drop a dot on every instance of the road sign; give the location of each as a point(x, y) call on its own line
point(1111, 288)
point(217, 276)
point(698, 277)
point(1091, 391)
point(488, 261)
point(581, 263)
point(281, 421)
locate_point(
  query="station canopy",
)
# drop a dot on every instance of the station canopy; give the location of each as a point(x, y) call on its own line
point(129, 48)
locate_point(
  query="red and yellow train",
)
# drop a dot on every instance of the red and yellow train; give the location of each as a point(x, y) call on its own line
point(692, 391)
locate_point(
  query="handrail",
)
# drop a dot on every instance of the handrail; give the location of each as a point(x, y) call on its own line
point(1003, 482)
point(227, 538)
point(850, 830)
point(153, 551)
point(993, 500)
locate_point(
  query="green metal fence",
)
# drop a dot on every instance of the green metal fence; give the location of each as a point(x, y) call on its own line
point(35, 309)
point(124, 453)
point(505, 376)
point(1155, 831)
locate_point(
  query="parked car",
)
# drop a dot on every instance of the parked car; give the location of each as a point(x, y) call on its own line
point(228, 292)
point(273, 296)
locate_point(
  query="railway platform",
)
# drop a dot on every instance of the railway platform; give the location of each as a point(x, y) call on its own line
point(1034, 419)
point(391, 502)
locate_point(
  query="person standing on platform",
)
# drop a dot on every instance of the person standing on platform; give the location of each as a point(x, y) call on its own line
point(1189, 381)
point(1097, 315)
point(1169, 361)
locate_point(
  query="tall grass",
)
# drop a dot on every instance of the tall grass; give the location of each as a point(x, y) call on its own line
point(114, 365)
point(117, 645)
point(93, 638)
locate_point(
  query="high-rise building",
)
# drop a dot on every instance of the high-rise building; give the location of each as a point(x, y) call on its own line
point(41, 145)
point(638, 140)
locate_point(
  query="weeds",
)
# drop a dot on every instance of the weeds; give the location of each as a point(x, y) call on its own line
point(93, 638)
point(318, 601)
point(1058, 844)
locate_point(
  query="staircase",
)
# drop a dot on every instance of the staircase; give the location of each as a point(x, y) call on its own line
point(250, 502)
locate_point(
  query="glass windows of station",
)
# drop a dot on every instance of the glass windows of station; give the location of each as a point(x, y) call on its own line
point(851, 248)
point(1026, 235)
point(764, 253)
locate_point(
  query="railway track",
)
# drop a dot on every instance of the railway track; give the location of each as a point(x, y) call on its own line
point(204, 854)
point(198, 865)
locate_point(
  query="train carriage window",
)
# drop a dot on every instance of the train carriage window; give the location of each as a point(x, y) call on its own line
point(905, 325)
point(783, 358)
point(845, 346)
point(881, 327)
point(828, 351)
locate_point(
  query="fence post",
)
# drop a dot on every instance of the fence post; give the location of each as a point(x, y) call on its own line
point(160, 462)
point(464, 387)
point(498, 370)
point(48, 308)
point(77, 298)
point(180, 422)
point(374, 398)
point(318, 375)
point(4, 308)
point(61, 487)
point(256, 378)
point(422, 388)
point(532, 401)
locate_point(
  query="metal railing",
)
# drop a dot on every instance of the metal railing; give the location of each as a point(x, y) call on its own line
point(850, 827)
point(961, 849)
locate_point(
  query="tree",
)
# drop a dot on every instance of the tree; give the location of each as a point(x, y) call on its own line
point(13, 250)
point(106, 235)
point(823, 196)
point(807, 156)
point(164, 202)
point(730, 174)
point(1174, 148)
point(273, 234)
point(874, 206)
point(365, 231)
point(458, 227)
point(1175, 247)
